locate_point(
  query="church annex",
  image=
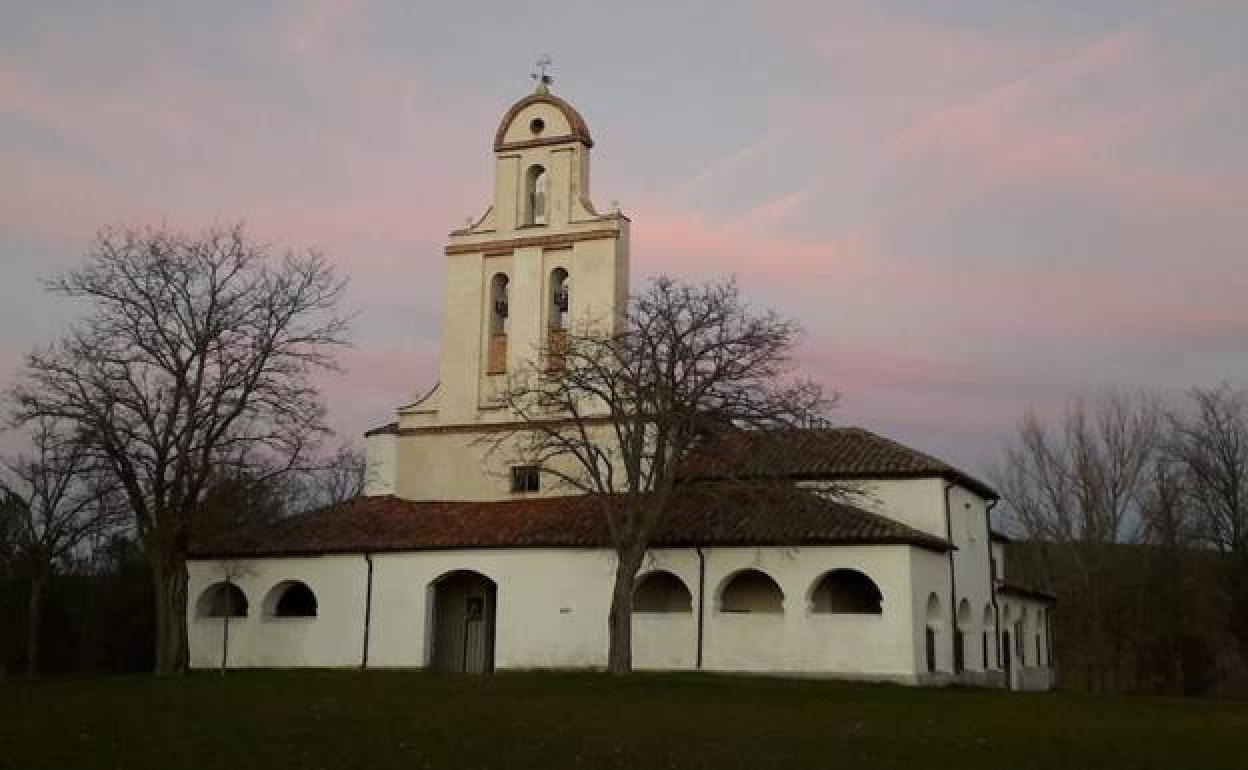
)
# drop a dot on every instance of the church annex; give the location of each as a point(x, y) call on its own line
point(451, 563)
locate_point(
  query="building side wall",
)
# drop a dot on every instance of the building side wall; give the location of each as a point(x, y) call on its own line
point(334, 638)
point(918, 503)
point(929, 576)
point(1031, 660)
point(998, 553)
point(968, 519)
point(381, 455)
point(468, 465)
point(552, 609)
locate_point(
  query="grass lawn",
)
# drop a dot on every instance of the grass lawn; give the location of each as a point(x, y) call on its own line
point(544, 720)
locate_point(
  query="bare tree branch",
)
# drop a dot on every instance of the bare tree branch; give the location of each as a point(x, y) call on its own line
point(196, 356)
point(616, 413)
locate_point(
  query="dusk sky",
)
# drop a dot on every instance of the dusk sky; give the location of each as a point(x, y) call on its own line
point(973, 207)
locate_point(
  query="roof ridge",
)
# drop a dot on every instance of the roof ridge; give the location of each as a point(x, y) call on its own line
point(894, 442)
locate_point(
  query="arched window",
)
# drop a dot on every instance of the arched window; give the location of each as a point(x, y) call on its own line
point(496, 355)
point(499, 309)
point(846, 591)
point(751, 591)
point(535, 182)
point(222, 600)
point(557, 314)
point(930, 633)
point(988, 632)
point(290, 599)
point(559, 298)
point(662, 592)
point(960, 635)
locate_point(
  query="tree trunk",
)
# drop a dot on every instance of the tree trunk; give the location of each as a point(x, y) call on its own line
point(169, 574)
point(34, 614)
point(620, 620)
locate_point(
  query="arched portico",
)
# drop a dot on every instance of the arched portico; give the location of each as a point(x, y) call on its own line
point(464, 610)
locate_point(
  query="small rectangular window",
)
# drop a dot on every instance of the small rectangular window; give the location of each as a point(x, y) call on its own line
point(526, 478)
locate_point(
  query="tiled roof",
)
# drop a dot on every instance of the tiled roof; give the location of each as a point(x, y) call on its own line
point(827, 453)
point(387, 523)
point(1013, 589)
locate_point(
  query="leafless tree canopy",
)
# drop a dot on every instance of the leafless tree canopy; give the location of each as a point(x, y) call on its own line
point(1084, 482)
point(196, 355)
point(1209, 442)
point(1082, 488)
point(53, 500)
point(1140, 513)
point(335, 479)
point(616, 412)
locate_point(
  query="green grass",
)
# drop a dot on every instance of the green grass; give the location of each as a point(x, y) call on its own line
point(542, 720)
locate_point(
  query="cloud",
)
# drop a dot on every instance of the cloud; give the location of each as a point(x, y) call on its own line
point(971, 208)
point(309, 31)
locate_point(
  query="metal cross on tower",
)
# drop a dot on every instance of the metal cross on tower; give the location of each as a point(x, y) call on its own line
point(543, 77)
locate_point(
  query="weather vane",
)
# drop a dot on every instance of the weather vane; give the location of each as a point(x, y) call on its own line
point(543, 77)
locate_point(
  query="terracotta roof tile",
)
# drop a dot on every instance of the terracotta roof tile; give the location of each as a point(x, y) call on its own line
point(1014, 589)
point(391, 524)
point(825, 453)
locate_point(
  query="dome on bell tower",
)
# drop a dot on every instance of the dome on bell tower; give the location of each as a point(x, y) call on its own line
point(540, 119)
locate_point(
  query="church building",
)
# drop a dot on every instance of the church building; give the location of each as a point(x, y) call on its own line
point(453, 563)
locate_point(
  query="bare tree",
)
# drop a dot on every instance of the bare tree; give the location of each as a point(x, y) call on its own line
point(615, 409)
point(1081, 488)
point(1210, 444)
point(334, 479)
point(8, 536)
point(196, 356)
point(54, 500)
point(1210, 441)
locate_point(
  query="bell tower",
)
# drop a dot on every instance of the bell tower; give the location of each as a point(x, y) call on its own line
point(539, 260)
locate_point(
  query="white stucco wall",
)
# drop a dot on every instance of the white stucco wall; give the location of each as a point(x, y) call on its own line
point(552, 609)
point(998, 553)
point(466, 464)
point(381, 458)
point(334, 638)
point(968, 519)
point(1028, 671)
point(919, 503)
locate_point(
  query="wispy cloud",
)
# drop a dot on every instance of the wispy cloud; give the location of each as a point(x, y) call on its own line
point(971, 206)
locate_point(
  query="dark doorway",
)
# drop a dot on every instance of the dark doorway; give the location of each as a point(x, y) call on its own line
point(463, 623)
point(1007, 658)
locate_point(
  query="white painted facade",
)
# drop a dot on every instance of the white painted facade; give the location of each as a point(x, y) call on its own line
point(552, 610)
point(547, 607)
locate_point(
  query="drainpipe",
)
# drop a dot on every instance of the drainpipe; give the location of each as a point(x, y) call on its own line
point(225, 630)
point(368, 609)
point(701, 600)
point(953, 581)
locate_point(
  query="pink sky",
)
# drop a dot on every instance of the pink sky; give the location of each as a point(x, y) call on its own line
point(973, 208)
